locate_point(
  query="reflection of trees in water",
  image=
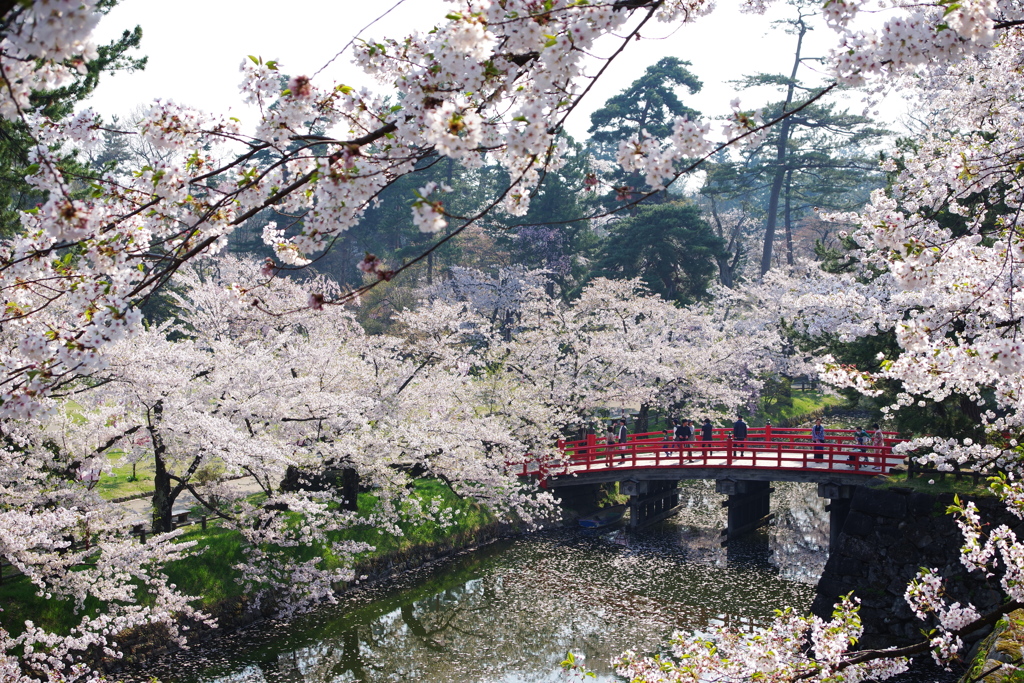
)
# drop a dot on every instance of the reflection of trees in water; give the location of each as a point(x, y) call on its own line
point(516, 620)
point(520, 622)
point(797, 538)
point(799, 535)
point(511, 613)
point(250, 674)
point(699, 524)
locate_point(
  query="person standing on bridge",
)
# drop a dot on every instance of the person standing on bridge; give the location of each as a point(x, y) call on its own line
point(707, 434)
point(862, 438)
point(685, 434)
point(878, 441)
point(818, 437)
point(623, 434)
point(739, 433)
point(670, 434)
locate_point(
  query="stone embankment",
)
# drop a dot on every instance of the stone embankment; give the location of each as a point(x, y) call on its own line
point(887, 537)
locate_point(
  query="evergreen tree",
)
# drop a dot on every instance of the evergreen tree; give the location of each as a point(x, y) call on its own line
point(649, 104)
point(816, 158)
point(15, 194)
point(669, 246)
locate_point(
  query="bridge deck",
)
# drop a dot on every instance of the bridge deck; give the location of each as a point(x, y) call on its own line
point(772, 456)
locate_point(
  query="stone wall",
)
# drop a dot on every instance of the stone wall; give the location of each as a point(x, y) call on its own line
point(887, 537)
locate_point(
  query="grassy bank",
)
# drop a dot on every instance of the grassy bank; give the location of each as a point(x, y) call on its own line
point(804, 403)
point(935, 483)
point(125, 480)
point(210, 573)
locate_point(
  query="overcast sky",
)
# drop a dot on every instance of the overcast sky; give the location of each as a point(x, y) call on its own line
point(195, 49)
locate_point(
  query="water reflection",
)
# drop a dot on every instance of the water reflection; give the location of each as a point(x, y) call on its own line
point(799, 535)
point(796, 542)
point(510, 612)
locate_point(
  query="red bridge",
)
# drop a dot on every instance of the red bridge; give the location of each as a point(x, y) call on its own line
point(775, 451)
point(649, 467)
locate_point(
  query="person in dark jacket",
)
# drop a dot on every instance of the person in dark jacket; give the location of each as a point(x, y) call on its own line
point(707, 433)
point(739, 432)
point(685, 432)
point(818, 437)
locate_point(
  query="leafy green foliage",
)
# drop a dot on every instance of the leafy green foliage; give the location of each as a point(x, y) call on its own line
point(669, 246)
point(650, 103)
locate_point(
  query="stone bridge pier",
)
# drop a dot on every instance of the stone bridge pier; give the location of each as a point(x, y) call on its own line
point(749, 505)
point(838, 508)
point(650, 501)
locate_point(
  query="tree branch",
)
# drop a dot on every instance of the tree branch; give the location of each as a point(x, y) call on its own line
point(925, 646)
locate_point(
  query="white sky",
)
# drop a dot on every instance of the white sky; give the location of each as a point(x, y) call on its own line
point(195, 49)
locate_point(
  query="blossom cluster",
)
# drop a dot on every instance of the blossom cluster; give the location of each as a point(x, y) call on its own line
point(938, 257)
point(776, 652)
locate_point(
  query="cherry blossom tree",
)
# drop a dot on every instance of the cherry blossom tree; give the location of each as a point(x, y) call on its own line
point(934, 262)
point(495, 80)
point(616, 344)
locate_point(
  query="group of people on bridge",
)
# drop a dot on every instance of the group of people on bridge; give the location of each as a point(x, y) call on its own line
point(738, 446)
point(685, 431)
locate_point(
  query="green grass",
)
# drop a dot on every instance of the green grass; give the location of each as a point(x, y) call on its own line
point(808, 401)
point(120, 483)
point(211, 574)
point(21, 603)
point(803, 403)
point(947, 484)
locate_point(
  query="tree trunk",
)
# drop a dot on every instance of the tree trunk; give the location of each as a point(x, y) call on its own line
point(163, 493)
point(350, 489)
point(789, 218)
point(780, 158)
point(773, 197)
point(642, 419)
point(724, 271)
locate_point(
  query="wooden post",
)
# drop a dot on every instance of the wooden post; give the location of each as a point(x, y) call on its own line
point(203, 522)
point(728, 449)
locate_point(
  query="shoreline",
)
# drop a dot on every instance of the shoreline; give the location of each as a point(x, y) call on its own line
point(233, 614)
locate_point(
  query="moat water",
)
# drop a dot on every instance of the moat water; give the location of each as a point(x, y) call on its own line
point(510, 611)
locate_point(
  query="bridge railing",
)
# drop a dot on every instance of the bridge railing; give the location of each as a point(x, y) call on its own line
point(721, 435)
point(761, 450)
